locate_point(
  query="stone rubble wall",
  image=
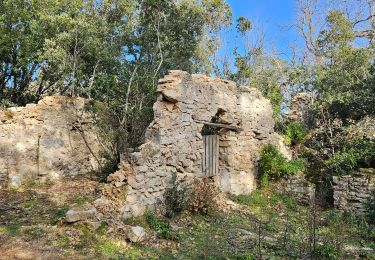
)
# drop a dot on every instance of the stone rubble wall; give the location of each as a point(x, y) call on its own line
point(174, 142)
point(300, 109)
point(350, 192)
point(44, 141)
point(298, 187)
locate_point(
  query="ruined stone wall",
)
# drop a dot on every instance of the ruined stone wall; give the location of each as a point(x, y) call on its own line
point(298, 187)
point(300, 109)
point(350, 192)
point(174, 142)
point(46, 141)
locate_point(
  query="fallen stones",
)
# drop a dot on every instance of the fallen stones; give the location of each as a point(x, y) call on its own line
point(85, 213)
point(136, 234)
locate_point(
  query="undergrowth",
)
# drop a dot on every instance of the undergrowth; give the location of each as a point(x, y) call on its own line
point(162, 227)
point(273, 165)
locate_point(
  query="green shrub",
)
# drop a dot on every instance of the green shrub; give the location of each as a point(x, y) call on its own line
point(108, 168)
point(256, 198)
point(370, 209)
point(294, 133)
point(163, 227)
point(326, 251)
point(352, 155)
point(4, 103)
point(176, 197)
point(273, 164)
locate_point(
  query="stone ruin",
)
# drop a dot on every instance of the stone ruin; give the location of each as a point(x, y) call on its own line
point(174, 143)
point(350, 192)
point(300, 109)
point(296, 186)
point(57, 138)
point(48, 140)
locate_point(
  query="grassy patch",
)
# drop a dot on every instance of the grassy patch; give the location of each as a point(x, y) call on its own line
point(34, 232)
point(36, 202)
point(64, 241)
point(12, 229)
point(163, 227)
point(80, 200)
point(270, 226)
point(57, 214)
point(110, 250)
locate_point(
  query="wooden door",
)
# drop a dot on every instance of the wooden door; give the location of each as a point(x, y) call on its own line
point(210, 158)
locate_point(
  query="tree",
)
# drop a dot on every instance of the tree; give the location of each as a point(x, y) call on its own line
point(111, 51)
point(258, 69)
point(341, 78)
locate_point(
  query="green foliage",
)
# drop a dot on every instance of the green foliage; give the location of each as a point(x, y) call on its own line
point(273, 164)
point(256, 69)
point(340, 31)
point(155, 223)
point(342, 79)
point(345, 81)
point(294, 133)
point(58, 214)
point(256, 198)
point(370, 210)
point(12, 229)
point(163, 227)
point(176, 197)
point(334, 149)
point(110, 250)
point(326, 251)
point(243, 25)
point(111, 51)
point(80, 200)
point(4, 103)
point(352, 156)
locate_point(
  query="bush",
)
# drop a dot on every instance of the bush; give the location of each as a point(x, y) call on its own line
point(176, 198)
point(273, 165)
point(109, 167)
point(163, 227)
point(294, 133)
point(352, 155)
point(370, 209)
point(326, 251)
point(203, 196)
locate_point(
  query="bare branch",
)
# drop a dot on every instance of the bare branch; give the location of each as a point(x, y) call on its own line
point(160, 51)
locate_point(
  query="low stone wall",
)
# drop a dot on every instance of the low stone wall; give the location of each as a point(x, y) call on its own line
point(297, 187)
point(47, 140)
point(174, 142)
point(352, 191)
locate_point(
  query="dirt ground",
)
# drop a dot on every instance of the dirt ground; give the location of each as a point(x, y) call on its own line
point(31, 218)
point(268, 226)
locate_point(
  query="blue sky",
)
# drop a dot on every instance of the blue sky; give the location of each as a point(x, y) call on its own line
point(275, 17)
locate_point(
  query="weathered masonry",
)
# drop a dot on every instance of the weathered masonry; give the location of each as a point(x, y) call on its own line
point(350, 192)
point(48, 140)
point(175, 144)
